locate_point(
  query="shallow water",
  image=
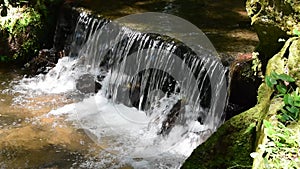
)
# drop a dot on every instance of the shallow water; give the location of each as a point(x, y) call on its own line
point(28, 139)
point(45, 130)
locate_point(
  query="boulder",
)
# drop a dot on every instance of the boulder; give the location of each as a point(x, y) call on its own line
point(86, 83)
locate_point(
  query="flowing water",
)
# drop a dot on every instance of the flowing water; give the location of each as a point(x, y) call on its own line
point(124, 98)
point(46, 122)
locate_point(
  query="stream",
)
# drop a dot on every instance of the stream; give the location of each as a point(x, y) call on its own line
point(46, 121)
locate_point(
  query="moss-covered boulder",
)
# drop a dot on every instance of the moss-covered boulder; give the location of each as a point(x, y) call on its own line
point(274, 22)
point(278, 156)
point(233, 142)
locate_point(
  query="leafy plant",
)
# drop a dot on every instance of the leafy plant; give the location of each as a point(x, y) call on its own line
point(291, 109)
point(282, 147)
point(22, 33)
point(281, 84)
point(279, 81)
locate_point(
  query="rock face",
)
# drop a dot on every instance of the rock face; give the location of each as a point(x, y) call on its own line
point(274, 22)
point(242, 76)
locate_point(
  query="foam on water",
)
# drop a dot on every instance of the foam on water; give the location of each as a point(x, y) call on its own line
point(133, 136)
point(127, 134)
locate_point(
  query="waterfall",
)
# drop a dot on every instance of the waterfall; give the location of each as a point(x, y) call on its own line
point(160, 89)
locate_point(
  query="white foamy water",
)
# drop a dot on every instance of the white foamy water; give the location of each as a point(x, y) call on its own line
point(173, 123)
point(127, 134)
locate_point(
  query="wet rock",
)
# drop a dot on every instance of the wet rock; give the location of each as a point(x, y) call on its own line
point(230, 146)
point(46, 59)
point(87, 84)
point(243, 85)
point(171, 119)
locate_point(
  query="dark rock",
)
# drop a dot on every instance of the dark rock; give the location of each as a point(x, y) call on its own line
point(45, 60)
point(87, 84)
point(171, 119)
point(243, 86)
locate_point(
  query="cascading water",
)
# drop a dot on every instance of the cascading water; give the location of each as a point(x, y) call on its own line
point(160, 89)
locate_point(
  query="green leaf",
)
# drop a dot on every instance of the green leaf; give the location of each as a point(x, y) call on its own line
point(297, 103)
point(268, 81)
point(267, 124)
point(274, 75)
point(281, 118)
point(273, 81)
point(286, 99)
point(281, 88)
point(286, 78)
point(250, 128)
point(290, 100)
point(292, 109)
point(296, 32)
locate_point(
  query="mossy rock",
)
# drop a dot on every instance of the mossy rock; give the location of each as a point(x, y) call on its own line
point(286, 61)
point(231, 145)
point(274, 22)
point(294, 60)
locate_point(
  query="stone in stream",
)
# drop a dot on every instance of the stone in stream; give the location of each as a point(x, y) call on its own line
point(87, 84)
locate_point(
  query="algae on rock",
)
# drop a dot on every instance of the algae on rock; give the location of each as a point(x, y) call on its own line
point(230, 146)
point(274, 21)
point(286, 61)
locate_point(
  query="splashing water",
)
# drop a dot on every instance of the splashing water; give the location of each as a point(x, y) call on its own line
point(160, 89)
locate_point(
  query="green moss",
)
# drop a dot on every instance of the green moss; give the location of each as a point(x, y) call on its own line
point(294, 60)
point(231, 145)
point(27, 29)
point(274, 22)
point(22, 27)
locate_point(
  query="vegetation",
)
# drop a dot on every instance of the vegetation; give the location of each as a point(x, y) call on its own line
point(281, 84)
point(23, 27)
point(22, 32)
point(281, 148)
